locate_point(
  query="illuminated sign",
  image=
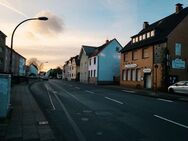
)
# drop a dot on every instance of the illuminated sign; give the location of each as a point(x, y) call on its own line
point(131, 66)
point(147, 70)
point(178, 64)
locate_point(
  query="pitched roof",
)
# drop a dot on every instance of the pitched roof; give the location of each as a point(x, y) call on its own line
point(88, 49)
point(162, 29)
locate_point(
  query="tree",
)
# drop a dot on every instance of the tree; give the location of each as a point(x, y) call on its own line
point(35, 62)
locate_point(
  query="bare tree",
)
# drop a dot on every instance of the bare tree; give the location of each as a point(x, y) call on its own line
point(35, 62)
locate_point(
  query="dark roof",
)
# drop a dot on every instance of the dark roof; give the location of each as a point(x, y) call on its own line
point(88, 49)
point(100, 48)
point(162, 29)
point(1, 33)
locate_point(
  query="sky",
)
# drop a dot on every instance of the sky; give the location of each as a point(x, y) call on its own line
point(73, 23)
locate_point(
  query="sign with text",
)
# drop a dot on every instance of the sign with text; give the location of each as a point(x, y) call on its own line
point(178, 64)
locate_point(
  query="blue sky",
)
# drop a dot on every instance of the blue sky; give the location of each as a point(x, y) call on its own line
point(76, 23)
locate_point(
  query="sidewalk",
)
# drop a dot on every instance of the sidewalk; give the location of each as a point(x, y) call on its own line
point(150, 93)
point(26, 122)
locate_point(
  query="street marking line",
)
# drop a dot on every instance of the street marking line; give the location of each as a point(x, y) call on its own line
point(77, 88)
point(128, 91)
point(47, 88)
point(114, 100)
point(89, 92)
point(171, 121)
point(164, 100)
point(75, 127)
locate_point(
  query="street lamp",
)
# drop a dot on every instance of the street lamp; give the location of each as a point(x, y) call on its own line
point(12, 37)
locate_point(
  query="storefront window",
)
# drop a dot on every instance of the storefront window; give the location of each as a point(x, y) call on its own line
point(138, 75)
point(124, 75)
point(128, 74)
point(134, 75)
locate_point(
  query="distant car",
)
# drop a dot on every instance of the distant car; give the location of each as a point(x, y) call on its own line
point(179, 87)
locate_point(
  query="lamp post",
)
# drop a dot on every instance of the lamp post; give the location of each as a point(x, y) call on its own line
point(12, 37)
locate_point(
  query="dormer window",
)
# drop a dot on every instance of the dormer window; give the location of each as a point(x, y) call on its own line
point(133, 40)
point(144, 36)
point(152, 33)
point(136, 39)
point(140, 38)
point(148, 35)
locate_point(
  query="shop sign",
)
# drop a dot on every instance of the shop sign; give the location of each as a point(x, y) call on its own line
point(147, 70)
point(178, 64)
point(131, 66)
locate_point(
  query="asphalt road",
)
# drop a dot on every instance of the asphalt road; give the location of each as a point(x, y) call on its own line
point(81, 112)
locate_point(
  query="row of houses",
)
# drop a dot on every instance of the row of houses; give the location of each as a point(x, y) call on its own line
point(96, 65)
point(155, 57)
point(18, 61)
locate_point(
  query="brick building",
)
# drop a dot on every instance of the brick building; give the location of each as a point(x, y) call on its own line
point(158, 55)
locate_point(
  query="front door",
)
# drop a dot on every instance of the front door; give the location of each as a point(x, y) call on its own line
point(147, 80)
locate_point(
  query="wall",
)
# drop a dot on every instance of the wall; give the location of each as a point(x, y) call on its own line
point(109, 62)
point(179, 35)
point(142, 63)
point(83, 67)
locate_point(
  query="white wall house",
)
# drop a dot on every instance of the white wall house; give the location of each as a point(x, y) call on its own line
point(85, 52)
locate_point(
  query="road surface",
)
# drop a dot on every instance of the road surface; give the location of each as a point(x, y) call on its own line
point(82, 112)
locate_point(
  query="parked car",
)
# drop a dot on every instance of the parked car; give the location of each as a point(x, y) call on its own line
point(179, 87)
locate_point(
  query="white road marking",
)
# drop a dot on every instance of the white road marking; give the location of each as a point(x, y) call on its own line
point(77, 88)
point(128, 91)
point(176, 123)
point(47, 88)
point(164, 100)
point(75, 127)
point(89, 92)
point(114, 100)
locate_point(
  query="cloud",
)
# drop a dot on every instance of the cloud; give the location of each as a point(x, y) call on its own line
point(53, 26)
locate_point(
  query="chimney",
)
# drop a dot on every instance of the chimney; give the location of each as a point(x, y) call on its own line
point(145, 25)
point(179, 7)
point(107, 41)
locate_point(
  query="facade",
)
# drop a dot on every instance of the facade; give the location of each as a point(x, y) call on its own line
point(104, 63)
point(65, 71)
point(158, 55)
point(18, 61)
point(75, 68)
point(32, 70)
point(85, 52)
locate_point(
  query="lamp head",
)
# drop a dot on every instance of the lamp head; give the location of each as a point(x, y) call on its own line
point(43, 18)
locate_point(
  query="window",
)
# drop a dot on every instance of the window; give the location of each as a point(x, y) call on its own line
point(152, 33)
point(90, 62)
point(133, 40)
point(125, 57)
point(94, 73)
point(136, 39)
point(133, 75)
point(124, 74)
point(144, 36)
point(91, 73)
point(138, 75)
point(128, 74)
point(178, 49)
point(134, 55)
point(94, 60)
point(145, 53)
point(148, 35)
point(140, 37)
